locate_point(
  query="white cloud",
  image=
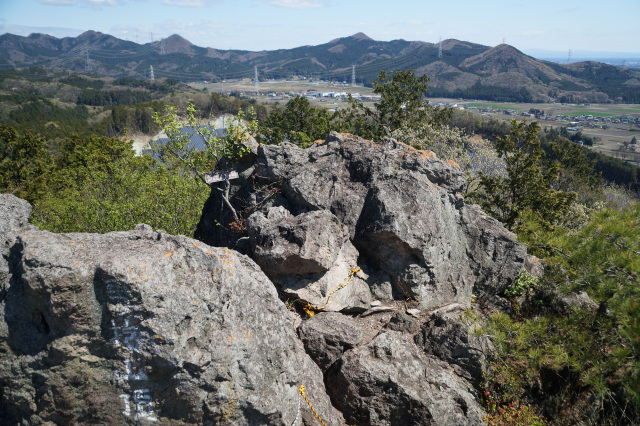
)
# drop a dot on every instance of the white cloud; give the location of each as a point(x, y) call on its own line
point(94, 3)
point(98, 3)
point(59, 2)
point(299, 4)
point(25, 30)
point(199, 33)
point(190, 3)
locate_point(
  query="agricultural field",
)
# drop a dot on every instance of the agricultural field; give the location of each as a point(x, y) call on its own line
point(609, 139)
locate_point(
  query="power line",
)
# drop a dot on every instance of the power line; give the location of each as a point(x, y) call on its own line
point(257, 85)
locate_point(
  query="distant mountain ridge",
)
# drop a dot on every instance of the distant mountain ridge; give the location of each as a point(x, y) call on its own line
point(456, 68)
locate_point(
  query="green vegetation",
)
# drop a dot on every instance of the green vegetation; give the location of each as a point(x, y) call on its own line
point(95, 184)
point(528, 184)
point(298, 122)
point(503, 396)
point(25, 164)
point(577, 343)
point(218, 152)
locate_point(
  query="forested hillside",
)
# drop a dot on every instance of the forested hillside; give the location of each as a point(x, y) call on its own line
point(457, 68)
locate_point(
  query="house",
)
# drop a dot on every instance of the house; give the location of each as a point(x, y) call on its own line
point(195, 141)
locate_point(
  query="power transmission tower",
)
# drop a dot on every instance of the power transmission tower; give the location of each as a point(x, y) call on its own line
point(504, 40)
point(569, 57)
point(353, 75)
point(162, 47)
point(151, 75)
point(257, 85)
point(440, 48)
point(87, 65)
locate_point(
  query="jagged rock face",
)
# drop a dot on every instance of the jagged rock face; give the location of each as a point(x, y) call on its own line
point(389, 381)
point(327, 335)
point(309, 256)
point(449, 339)
point(15, 213)
point(141, 326)
point(305, 244)
point(405, 224)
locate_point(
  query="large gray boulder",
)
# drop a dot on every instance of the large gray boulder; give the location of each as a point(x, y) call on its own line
point(144, 327)
point(327, 335)
point(389, 381)
point(310, 256)
point(451, 340)
point(296, 245)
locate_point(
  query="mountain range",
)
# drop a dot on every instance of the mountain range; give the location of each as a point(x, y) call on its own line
point(456, 68)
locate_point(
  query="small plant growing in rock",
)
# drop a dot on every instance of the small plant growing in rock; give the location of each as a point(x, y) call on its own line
point(524, 282)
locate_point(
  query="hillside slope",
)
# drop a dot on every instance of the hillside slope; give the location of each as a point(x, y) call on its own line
point(457, 68)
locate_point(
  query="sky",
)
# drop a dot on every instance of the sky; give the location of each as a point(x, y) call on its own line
point(553, 25)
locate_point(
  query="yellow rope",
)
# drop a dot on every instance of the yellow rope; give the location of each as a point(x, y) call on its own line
point(309, 404)
point(311, 310)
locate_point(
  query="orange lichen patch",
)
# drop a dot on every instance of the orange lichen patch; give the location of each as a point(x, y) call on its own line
point(534, 259)
point(423, 154)
point(158, 337)
point(427, 154)
point(144, 277)
point(230, 339)
point(453, 164)
point(195, 245)
point(168, 254)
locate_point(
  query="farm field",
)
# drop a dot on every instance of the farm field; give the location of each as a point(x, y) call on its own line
point(609, 139)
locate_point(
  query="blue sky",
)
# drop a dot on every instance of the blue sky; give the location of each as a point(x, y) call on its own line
point(557, 25)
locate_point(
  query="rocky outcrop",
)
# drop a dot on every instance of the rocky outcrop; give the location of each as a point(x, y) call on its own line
point(327, 335)
point(389, 381)
point(452, 341)
point(393, 211)
point(15, 217)
point(141, 326)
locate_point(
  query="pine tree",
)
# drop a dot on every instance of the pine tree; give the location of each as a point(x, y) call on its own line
point(528, 180)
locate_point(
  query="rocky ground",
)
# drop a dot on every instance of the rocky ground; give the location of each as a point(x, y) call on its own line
point(145, 327)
